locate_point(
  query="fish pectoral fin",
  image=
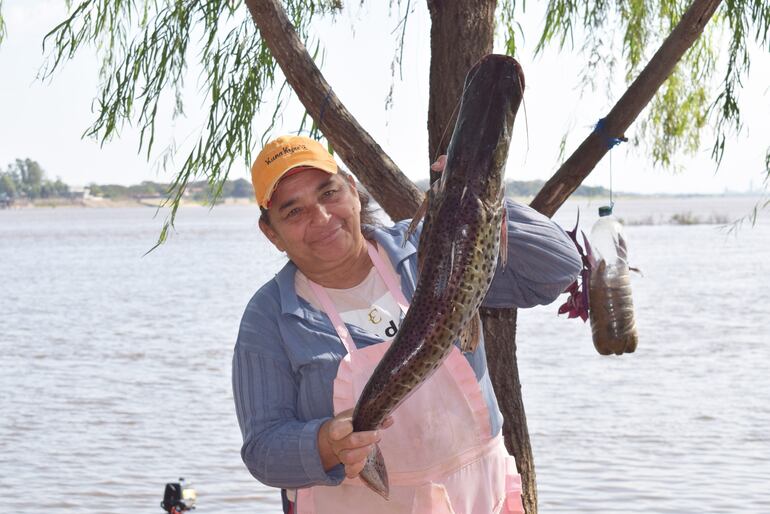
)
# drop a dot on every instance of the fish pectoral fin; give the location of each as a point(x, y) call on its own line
point(420, 214)
point(471, 334)
point(503, 244)
point(503, 252)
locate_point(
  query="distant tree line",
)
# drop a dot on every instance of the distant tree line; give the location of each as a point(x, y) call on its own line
point(529, 188)
point(26, 179)
point(200, 191)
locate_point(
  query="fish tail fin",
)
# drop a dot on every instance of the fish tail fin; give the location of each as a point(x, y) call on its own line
point(471, 334)
point(374, 474)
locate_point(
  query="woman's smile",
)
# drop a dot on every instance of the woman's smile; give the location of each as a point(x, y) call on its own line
point(327, 236)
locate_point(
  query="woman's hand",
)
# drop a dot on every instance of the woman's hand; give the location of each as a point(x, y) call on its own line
point(338, 444)
point(439, 165)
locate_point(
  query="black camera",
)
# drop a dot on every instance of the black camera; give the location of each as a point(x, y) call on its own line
point(178, 497)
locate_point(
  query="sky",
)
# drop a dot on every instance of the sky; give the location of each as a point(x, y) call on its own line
point(45, 120)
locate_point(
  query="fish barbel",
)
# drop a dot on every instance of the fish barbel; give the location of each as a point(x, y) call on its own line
point(457, 253)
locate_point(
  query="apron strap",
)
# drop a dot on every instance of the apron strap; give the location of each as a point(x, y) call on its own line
point(388, 276)
point(334, 316)
point(328, 306)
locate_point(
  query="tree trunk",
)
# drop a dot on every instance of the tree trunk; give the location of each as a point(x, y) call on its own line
point(500, 347)
point(395, 193)
point(461, 33)
point(577, 167)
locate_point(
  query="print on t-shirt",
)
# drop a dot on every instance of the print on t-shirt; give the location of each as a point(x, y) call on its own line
point(381, 319)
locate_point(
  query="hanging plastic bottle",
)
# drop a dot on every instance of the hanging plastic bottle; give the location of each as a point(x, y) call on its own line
point(611, 307)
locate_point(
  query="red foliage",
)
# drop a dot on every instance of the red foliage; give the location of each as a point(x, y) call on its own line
point(577, 304)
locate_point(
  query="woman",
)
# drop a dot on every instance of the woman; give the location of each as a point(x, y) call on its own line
point(311, 335)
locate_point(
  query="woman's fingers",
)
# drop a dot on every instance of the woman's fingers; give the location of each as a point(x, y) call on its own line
point(357, 444)
point(353, 470)
point(352, 456)
point(440, 164)
point(340, 427)
point(354, 449)
point(349, 447)
point(361, 439)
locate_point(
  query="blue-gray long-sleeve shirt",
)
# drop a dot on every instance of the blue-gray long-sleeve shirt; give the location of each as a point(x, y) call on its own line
point(287, 352)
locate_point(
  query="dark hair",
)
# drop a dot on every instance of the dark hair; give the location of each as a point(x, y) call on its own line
point(367, 212)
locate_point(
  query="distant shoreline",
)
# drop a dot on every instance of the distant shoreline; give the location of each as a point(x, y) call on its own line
point(109, 203)
point(156, 202)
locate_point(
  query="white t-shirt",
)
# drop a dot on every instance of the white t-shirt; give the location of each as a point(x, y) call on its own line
point(368, 305)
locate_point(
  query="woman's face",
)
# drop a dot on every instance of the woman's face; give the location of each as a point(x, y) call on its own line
point(315, 219)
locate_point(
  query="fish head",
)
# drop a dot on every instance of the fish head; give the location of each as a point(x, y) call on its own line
point(476, 159)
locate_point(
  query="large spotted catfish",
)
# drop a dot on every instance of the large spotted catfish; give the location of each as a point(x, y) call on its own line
point(462, 235)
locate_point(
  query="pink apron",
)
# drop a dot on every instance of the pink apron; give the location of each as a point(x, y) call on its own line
point(439, 453)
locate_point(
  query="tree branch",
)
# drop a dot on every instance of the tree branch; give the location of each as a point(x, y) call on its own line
point(578, 166)
point(395, 193)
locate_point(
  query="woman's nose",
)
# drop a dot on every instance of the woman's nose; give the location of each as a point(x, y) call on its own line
point(320, 214)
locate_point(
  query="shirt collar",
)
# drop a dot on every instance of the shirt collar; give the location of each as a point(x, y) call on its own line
point(290, 302)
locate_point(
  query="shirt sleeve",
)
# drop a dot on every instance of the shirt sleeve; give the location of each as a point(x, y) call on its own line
point(278, 449)
point(542, 261)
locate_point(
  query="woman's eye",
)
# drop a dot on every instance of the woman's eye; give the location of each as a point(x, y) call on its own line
point(329, 193)
point(294, 212)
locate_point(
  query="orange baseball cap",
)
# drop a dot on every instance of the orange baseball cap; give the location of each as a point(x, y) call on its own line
point(282, 155)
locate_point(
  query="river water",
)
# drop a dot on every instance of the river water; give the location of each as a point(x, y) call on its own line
point(115, 374)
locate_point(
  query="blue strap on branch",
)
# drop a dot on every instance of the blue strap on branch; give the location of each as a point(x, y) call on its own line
point(611, 142)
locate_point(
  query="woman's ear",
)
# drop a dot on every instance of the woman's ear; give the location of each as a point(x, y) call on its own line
point(271, 234)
